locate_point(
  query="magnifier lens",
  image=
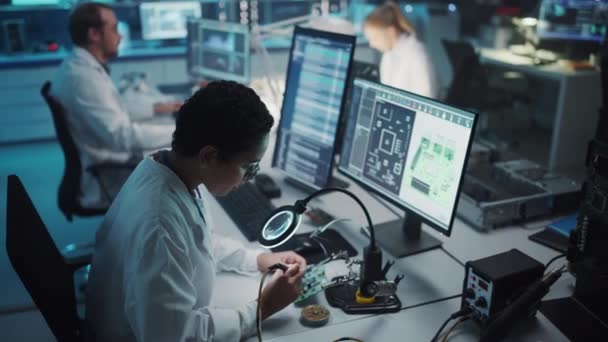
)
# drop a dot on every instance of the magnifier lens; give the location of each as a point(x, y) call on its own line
point(277, 225)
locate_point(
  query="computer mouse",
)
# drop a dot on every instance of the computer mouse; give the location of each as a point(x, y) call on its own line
point(267, 186)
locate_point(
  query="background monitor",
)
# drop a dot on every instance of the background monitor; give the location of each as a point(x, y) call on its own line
point(218, 50)
point(268, 12)
point(167, 19)
point(33, 2)
point(411, 150)
point(317, 73)
point(585, 20)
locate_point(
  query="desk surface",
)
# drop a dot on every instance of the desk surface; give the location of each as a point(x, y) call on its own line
point(503, 57)
point(420, 324)
point(429, 277)
point(29, 60)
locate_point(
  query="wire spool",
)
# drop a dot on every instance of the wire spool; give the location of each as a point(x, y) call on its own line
point(314, 315)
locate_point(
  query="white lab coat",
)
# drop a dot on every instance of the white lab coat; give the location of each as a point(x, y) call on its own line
point(99, 122)
point(154, 266)
point(408, 66)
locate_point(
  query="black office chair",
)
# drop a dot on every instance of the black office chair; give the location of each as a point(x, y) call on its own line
point(470, 86)
point(69, 189)
point(47, 276)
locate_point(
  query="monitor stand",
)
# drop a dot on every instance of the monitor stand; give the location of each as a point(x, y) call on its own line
point(333, 183)
point(404, 237)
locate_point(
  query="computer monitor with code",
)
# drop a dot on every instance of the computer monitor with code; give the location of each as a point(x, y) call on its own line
point(582, 20)
point(166, 20)
point(412, 151)
point(315, 87)
point(218, 50)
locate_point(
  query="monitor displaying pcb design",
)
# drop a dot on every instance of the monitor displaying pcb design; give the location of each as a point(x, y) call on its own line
point(408, 148)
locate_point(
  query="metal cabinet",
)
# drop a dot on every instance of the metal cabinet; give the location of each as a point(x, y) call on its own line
point(561, 110)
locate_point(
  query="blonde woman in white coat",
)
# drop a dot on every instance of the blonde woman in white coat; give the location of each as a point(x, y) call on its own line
point(405, 62)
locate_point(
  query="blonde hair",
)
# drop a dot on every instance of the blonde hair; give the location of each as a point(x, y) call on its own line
point(389, 15)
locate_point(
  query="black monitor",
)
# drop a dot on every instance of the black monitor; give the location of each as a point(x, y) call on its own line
point(315, 87)
point(582, 20)
point(269, 12)
point(166, 20)
point(412, 151)
point(218, 50)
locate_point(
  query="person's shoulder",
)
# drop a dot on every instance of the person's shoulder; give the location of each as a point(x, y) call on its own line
point(150, 192)
point(74, 71)
point(413, 45)
point(80, 62)
point(410, 40)
point(164, 191)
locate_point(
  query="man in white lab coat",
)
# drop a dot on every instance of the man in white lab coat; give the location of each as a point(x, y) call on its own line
point(98, 120)
point(158, 249)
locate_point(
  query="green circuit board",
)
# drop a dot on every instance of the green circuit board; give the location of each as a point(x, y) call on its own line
point(313, 281)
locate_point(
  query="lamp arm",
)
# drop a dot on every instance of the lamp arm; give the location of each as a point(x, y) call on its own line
point(323, 191)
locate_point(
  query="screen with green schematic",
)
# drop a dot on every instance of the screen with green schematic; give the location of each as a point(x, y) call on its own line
point(408, 148)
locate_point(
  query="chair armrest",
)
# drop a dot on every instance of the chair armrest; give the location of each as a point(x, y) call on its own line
point(78, 255)
point(125, 168)
point(128, 165)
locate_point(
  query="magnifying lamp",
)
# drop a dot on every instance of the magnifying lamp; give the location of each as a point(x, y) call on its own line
point(284, 222)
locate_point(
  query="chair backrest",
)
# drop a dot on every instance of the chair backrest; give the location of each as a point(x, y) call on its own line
point(470, 79)
point(458, 52)
point(69, 189)
point(40, 266)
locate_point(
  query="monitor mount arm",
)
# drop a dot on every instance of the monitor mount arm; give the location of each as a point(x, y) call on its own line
point(283, 28)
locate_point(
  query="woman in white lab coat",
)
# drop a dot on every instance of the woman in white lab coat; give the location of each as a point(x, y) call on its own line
point(157, 251)
point(405, 62)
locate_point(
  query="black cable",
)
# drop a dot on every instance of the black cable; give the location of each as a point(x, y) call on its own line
point(440, 329)
point(431, 302)
point(456, 314)
point(447, 333)
point(451, 256)
point(301, 204)
point(553, 260)
point(258, 311)
point(347, 339)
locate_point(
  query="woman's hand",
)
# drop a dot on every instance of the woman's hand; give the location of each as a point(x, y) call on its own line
point(282, 289)
point(288, 258)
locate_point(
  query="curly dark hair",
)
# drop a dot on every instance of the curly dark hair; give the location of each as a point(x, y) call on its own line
point(224, 114)
point(85, 16)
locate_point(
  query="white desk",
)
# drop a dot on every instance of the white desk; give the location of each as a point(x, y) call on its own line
point(569, 125)
point(420, 324)
point(428, 277)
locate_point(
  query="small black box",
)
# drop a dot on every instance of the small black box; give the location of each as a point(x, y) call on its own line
point(492, 283)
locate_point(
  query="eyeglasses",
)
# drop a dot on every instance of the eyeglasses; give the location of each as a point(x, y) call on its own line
point(251, 171)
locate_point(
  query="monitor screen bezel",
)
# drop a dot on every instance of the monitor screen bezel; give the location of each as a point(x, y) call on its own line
point(207, 72)
point(142, 5)
point(411, 211)
point(298, 30)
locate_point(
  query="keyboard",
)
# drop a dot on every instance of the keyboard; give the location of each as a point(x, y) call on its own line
point(248, 208)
